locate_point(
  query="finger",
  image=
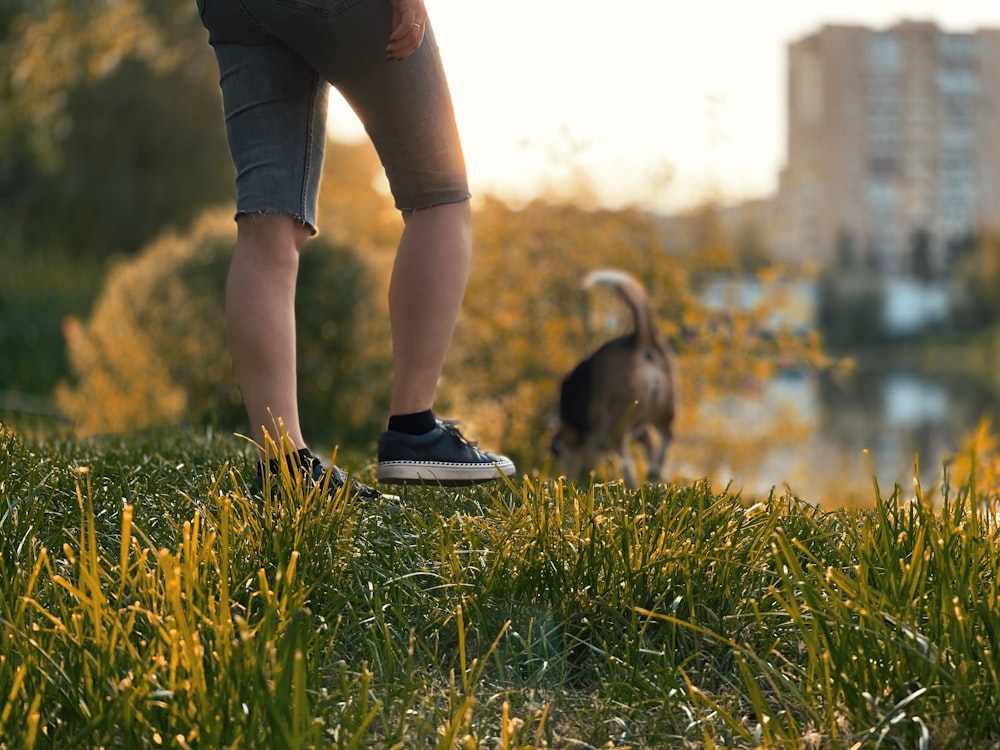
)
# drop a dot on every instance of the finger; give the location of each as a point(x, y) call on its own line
point(405, 40)
point(403, 28)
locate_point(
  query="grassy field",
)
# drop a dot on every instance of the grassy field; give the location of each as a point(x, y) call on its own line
point(149, 601)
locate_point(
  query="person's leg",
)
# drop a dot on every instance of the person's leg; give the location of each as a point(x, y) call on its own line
point(260, 320)
point(406, 109)
point(425, 298)
point(275, 109)
point(275, 114)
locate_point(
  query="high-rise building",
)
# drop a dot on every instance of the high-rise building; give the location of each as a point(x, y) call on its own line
point(893, 146)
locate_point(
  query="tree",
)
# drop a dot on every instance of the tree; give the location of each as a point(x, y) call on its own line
point(922, 259)
point(974, 282)
point(110, 128)
point(850, 308)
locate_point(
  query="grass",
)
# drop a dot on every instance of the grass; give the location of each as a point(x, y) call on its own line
point(148, 600)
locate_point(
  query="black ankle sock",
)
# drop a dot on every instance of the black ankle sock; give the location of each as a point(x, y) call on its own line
point(418, 423)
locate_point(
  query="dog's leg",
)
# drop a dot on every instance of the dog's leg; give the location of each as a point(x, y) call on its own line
point(657, 456)
point(572, 467)
point(628, 465)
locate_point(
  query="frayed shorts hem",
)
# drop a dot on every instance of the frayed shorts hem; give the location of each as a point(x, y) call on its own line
point(311, 226)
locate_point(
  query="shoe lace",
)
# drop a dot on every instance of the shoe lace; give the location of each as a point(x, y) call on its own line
point(338, 478)
point(451, 426)
point(337, 475)
point(313, 470)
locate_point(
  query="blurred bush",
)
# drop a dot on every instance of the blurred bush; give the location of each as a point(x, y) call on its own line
point(526, 321)
point(154, 350)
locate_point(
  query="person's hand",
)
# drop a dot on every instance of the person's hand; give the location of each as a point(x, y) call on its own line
point(409, 19)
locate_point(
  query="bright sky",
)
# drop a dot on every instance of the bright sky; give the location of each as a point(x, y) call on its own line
point(631, 90)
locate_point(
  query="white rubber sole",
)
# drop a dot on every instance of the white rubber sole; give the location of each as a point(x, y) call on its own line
point(448, 474)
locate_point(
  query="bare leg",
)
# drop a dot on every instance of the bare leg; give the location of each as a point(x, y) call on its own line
point(425, 297)
point(260, 319)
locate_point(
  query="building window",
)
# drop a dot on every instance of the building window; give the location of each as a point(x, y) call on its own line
point(884, 52)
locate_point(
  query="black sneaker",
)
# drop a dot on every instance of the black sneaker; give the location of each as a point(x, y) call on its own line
point(442, 456)
point(314, 474)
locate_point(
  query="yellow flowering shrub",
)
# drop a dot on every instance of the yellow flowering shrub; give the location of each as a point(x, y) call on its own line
point(154, 349)
point(526, 323)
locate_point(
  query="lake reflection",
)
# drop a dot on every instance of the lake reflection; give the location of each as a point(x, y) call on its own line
point(826, 440)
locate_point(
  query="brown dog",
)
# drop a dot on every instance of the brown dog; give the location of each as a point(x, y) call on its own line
point(621, 393)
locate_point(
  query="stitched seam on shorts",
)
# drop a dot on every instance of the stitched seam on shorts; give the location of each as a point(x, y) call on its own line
point(310, 145)
point(305, 7)
point(248, 14)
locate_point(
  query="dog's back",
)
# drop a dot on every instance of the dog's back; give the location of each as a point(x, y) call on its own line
point(622, 391)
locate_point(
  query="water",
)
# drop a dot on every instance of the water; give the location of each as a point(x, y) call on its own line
point(901, 416)
point(827, 440)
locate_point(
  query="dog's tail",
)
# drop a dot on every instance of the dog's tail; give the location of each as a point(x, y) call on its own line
point(634, 295)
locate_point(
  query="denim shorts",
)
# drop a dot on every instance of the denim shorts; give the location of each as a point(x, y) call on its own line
point(277, 61)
